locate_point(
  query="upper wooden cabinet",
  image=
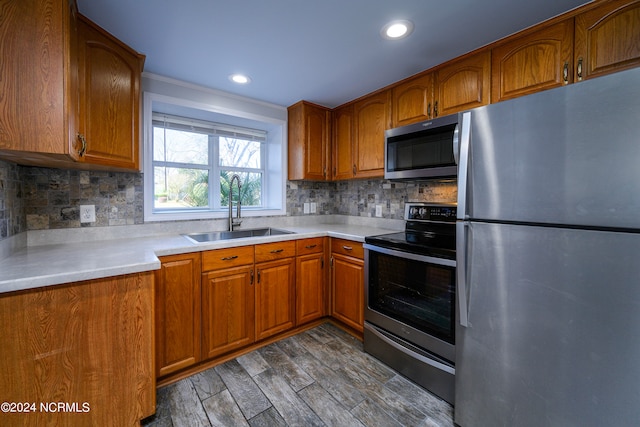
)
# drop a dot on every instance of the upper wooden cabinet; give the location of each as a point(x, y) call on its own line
point(38, 105)
point(75, 79)
point(309, 138)
point(371, 118)
point(109, 120)
point(533, 62)
point(457, 86)
point(342, 143)
point(463, 84)
point(607, 39)
point(412, 100)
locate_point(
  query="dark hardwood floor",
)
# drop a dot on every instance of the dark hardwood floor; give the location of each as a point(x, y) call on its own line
point(320, 377)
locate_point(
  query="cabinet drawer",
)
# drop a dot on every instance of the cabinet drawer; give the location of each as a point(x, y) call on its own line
point(347, 247)
point(224, 258)
point(277, 250)
point(309, 246)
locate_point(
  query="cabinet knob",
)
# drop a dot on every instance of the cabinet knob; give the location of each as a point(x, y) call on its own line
point(83, 147)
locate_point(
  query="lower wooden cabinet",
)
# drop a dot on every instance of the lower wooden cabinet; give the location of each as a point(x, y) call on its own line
point(228, 297)
point(177, 313)
point(86, 344)
point(310, 280)
point(347, 283)
point(275, 288)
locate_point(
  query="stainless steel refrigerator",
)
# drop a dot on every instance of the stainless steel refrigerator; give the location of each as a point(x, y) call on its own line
point(548, 258)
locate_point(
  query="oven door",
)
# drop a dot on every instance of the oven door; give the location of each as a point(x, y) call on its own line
point(413, 297)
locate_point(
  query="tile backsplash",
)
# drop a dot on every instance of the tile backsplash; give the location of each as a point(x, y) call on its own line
point(33, 198)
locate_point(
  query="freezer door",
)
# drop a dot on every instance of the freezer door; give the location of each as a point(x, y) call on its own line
point(553, 335)
point(565, 156)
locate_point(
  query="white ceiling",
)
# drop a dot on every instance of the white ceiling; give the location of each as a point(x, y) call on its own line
point(325, 51)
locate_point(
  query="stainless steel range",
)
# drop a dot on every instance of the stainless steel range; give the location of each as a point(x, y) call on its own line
point(410, 312)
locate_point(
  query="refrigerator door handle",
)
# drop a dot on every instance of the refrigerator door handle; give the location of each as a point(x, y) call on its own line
point(461, 146)
point(461, 272)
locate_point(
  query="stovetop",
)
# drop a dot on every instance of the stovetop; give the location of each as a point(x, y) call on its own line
point(430, 230)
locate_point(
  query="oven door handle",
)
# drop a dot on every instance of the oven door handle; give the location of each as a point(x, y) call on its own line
point(409, 255)
point(412, 354)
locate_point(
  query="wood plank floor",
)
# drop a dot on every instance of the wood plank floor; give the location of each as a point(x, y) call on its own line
point(320, 377)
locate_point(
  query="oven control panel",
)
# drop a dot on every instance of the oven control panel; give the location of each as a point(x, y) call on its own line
point(430, 212)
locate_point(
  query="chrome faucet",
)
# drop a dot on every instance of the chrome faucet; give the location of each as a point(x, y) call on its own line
point(234, 222)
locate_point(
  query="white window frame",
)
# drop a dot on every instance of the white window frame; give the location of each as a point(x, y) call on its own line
point(274, 156)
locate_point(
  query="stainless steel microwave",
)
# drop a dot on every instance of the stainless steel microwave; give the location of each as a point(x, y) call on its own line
point(422, 150)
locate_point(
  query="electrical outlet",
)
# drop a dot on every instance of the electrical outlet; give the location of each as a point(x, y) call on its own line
point(306, 208)
point(313, 207)
point(87, 213)
point(378, 211)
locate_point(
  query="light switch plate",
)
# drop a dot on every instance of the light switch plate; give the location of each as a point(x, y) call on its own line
point(306, 208)
point(87, 213)
point(378, 211)
point(313, 207)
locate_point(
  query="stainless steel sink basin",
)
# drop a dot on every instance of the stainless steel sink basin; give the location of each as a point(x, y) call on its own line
point(235, 234)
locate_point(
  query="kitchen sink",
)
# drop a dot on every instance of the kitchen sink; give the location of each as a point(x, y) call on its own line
point(215, 236)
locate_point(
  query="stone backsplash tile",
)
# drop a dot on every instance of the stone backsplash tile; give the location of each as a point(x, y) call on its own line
point(12, 217)
point(33, 198)
point(53, 197)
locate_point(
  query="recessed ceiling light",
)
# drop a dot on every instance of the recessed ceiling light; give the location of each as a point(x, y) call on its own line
point(398, 29)
point(239, 78)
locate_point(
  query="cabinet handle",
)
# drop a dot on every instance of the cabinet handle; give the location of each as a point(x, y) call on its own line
point(579, 69)
point(258, 276)
point(354, 170)
point(565, 73)
point(335, 172)
point(83, 148)
point(347, 248)
point(277, 251)
point(322, 263)
point(310, 246)
point(251, 281)
point(435, 109)
point(429, 110)
point(228, 258)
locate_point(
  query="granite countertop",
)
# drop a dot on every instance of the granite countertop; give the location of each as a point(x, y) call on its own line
point(38, 266)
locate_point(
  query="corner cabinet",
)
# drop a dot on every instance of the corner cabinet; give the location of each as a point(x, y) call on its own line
point(309, 135)
point(65, 88)
point(347, 283)
point(177, 316)
point(607, 39)
point(109, 120)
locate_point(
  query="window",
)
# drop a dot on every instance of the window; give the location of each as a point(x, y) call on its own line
point(194, 161)
point(196, 139)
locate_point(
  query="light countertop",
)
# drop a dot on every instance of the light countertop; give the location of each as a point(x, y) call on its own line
point(46, 265)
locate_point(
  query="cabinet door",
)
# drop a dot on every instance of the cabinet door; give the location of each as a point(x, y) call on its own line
point(275, 297)
point(412, 101)
point(463, 84)
point(348, 291)
point(607, 39)
point(371, 117)
point(177, 313)
point(227, 310)
point(109, 98)
point(342, 144)
point(309, 287)
point(309, 130)
point(37, 78)
point(532, 63)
